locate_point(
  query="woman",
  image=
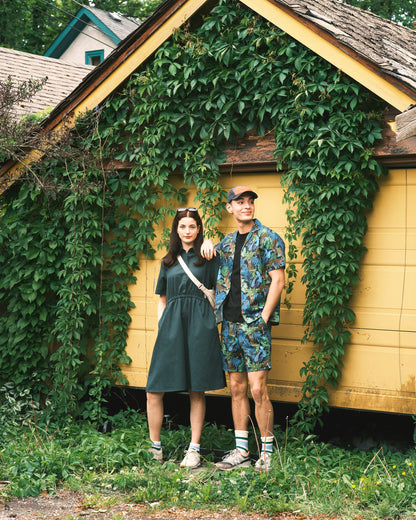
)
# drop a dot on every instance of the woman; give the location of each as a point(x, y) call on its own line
point(187, 355)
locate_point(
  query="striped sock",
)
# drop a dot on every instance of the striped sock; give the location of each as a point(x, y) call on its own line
point(194, 447)
point(157, 445)
point(267, 444)
point(241, 441)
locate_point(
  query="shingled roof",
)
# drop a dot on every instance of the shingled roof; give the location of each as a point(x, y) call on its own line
point(120, 25)
point(388, 45)
point(378, 53)
point(62, 76)
point(385, 47)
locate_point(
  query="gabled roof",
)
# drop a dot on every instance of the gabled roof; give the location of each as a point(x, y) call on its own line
point(379, 54)
point(119, 25)
point(115, 26)
point(62, 76)
point(387, 45)
point(375, 52)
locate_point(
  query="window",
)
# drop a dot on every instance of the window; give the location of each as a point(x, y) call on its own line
point(94, 57)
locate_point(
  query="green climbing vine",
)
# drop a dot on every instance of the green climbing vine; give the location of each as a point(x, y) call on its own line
point(76, 236)
point(326, 136)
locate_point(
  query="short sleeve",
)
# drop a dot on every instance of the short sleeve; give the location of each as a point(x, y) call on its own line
point(161, 282)
point(274, 252)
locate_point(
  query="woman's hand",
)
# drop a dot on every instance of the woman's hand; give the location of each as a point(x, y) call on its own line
point(161, 306)
point(208, 250)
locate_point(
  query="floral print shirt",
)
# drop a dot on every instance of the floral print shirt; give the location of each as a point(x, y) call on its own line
point(263, 251)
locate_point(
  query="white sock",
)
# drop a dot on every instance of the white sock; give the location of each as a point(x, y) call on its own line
point(267, 444)
point(241, 440)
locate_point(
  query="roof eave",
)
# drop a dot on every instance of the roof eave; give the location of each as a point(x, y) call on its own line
point(362, 70)
point(73, 29)
point(112, 72)
point(125, 59)
point(106, 30)
point(69, 34)
point(386, 86)
point(141, 44)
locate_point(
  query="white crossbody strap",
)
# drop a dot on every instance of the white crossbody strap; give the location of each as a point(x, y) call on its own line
point(200, 285)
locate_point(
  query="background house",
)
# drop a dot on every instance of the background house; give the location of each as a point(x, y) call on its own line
point(91, 36)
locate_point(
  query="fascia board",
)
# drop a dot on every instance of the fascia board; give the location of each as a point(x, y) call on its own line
point(73, 29)
point(101, 25)
point(98, 90)
point(341, 56)
point(68, 35)
point(151, 39)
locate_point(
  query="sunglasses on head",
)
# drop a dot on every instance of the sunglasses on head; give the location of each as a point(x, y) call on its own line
point(179, 210)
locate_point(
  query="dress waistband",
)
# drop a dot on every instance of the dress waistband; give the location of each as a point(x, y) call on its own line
point(188, 296)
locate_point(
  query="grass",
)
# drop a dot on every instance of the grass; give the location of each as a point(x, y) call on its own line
point(308, 477)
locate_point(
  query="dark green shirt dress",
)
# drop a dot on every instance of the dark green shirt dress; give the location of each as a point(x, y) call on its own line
point(187, 352)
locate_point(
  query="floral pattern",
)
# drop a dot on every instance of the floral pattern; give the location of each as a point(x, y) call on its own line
point(263, 251)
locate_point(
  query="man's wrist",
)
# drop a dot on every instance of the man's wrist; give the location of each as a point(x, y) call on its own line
point(208, 249)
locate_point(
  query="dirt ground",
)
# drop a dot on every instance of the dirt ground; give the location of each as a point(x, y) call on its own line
point(67, 505)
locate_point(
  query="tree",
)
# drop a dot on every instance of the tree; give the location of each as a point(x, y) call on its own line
point(137, 9)
point(400, 11)
point(16, 136)
point(32, 25)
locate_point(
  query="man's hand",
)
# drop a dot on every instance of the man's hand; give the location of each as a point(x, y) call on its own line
point(275, 290)
point(208, 250)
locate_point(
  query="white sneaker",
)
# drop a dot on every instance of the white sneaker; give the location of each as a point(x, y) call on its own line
point(192, 459)
point(157, 454)
point(234, 459)
point(264, 462)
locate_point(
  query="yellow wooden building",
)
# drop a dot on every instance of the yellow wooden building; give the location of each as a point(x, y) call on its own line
point(380, 363)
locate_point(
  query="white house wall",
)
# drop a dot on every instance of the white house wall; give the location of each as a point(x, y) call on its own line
point(90, 39)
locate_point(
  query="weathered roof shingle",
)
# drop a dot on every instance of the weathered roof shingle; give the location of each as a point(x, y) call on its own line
point(390, 46)
point(62, 76)
point(120, 25)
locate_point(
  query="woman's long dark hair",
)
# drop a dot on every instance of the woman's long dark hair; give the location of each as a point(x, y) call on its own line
point(175, 244)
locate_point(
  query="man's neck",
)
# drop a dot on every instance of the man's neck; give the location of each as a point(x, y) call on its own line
point(245, 227)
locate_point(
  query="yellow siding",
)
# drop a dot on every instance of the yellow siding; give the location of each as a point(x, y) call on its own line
point(380, 363)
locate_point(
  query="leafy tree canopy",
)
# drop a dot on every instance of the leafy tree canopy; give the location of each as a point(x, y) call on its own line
point(32, 25)
point(401, 11)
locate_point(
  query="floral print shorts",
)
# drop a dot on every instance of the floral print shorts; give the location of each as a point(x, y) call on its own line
point(246, 347)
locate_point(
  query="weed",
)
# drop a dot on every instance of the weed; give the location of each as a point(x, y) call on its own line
point(307, 476)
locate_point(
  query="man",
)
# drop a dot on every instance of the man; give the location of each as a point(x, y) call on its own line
point(250, 282)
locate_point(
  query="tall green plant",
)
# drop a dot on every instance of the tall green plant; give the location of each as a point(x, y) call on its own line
point(326, 136)
point(235, 73)
point(56, 268)
point(202, 89)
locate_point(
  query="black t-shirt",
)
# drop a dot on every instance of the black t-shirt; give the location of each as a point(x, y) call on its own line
point(232, 303)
